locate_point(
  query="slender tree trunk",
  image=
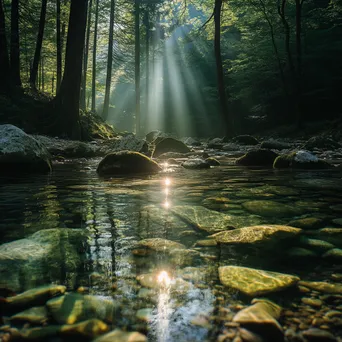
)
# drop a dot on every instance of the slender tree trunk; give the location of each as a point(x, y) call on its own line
point(147, 46)
point(299, 61)
point(93, 84)
point(43, 77)
point(109, 61)
point(59, 45)
point(37, 53)
point(15, 47)
point(137, 66)
point(85, 60)
point(53, 83)
point(219, 70)
point(4, 60)
point(67, 101)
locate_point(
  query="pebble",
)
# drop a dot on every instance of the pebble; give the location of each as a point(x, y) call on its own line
point(315, 334)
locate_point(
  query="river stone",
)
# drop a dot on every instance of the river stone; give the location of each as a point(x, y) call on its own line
point(331, 235)
point(254, 282)
point(118, 335)
point(20, 153)
point(259, 236)
point(35, 315)
point(318, 335)
point(315, 244)
point(192, 142)
point(215, 143)
point(271, 208)
point(196, 163)
point(299, 252)
point(337, 221)
point(260, 157)
point(159, 245)
point(74, 307)
point(172, 155)
point(36, 260)
point(130, 142)
point(245, 140)
point(321, 142)
point(261, 317)
point(333, 254)
point(85, 330)
point(144, 315)
point(126, 162)
point(307, 223)
point(211, 221)
point(275, 144)
point(169, 145)
point(322, 286)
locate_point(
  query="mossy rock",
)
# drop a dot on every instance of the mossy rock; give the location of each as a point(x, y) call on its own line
point(126, 162)
point(307, 223)
point(245, 140)
point(169, 145)
point(300, 160)
point(260, 157)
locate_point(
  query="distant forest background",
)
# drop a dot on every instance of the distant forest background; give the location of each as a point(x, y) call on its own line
point(190, 67)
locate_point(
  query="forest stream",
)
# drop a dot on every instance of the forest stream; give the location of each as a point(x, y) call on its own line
point(145, 246)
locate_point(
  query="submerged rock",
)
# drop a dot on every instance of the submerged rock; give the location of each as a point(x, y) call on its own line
point(35, 315)
point(20, 153)
point(126, 162)
point(254, 282)
point(258, 236)
point(332, 235)
point(261, 318)
point(35, 260)
point(74, 307)
point(196, 163)
point(159, 245)
point(300, 160)
point(118, 335)
point(169, 145)
point(318, 335)
point(260, 157)
point(271, 208)
point(307, 223)
point(322, 286)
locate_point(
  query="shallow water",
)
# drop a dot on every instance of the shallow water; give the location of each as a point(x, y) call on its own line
point(116, 213)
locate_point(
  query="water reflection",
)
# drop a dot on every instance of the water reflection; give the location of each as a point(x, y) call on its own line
point(167, 182)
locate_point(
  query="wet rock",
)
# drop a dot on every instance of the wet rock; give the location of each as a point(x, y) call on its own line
point(20, 153)
point(220, 203)
point(212, 161)
point(299, 253)
point(126, 162)
point(159, 245)
point(300, 160)
point(35, 315)
point(261, 318)
point(317, 303)
point(118, 335)
point(87, 330)
point(192, 142)
point(333, 254)
point(196, 163)
point(307, 223)
point(271, 208)
point(260, 157)
point(32, 261)
point(315, 244)
point(209, 220)
point(321, 142)
point(254, 282)
point(172, 155)
point(322, 286)
point(206, 243)
point(275, 145)
point(153, 135)
point(169, 145)
point(318, 335)
point(245, 140)
point(130, 143)
point(331, 235)
point(259, 236)
point(74, 307)
point(144, 315)
point(215, 143)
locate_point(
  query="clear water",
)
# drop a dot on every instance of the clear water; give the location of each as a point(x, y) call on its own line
point(113, 213)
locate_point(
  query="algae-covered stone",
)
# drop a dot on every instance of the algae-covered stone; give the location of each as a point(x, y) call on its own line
point(333, 254)
point(260, 157)
point(118, 335)
point(126, 162)
point(169, 145)
point(254, 282)
point(75, 307)
point(299, 252)
point(332, 235)
point(271, 208)
point(300, 160)
point(35, 260)
point(20, 153)
point(315, 244)
point(196, 163)
point(261, 317)
point(33, 297)
point(259, 236)
point(322, 286)
point(307, 223)
point(35, 315)
point(319, 335)
point(211, 221)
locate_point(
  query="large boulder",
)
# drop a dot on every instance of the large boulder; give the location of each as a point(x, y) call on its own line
point(253, 282)
point(245, 140)
point(300, 160)
point(260, 157)
point(265, 236)
point(130, 142)
point(126, 162)
point(169, 145)
point(38, 259)
point(20, 152)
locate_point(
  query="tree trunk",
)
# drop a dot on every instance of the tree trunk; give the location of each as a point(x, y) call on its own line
point(43, 79)
point(147, 96)
point(15, 47)
point(299, 61)
point(85, 60)
point(59, 45)
point(109, 61)
point(4, 61)
point(67, 101)
point(34, 70)
point(137, 66)
point(219, 70)
point(93, 84)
